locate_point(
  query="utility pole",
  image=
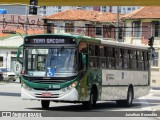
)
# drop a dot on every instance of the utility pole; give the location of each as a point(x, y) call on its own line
point(6, 66)
point(117, 25)
point(26, 21)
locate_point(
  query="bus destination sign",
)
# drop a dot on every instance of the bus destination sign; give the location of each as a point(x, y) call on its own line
point(49, 40)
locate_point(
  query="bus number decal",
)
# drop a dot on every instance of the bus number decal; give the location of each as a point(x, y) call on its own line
point(122, 75)
point(54, 86)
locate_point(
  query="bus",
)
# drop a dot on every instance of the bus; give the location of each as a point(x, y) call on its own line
point(80, 69)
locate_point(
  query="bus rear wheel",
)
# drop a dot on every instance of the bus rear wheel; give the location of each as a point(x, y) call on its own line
point(45, 103)
point(128, 101)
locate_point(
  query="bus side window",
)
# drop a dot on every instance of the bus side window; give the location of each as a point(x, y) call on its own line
point(118, 58)
point(93, 55)
point(140, 60)
point(110, 57)
point(146, 66)
point(102, 57)
point(133, 60)
point(126, 61)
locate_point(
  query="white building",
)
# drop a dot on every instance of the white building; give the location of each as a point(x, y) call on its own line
point(122, 9)
point(48, 10)
point(8, 53)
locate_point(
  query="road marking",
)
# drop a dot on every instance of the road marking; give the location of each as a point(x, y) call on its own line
point(145, 105)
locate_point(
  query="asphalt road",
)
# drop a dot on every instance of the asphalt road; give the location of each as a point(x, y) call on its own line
point(11, 101)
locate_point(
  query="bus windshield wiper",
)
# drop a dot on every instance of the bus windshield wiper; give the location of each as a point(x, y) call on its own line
point(60, 49)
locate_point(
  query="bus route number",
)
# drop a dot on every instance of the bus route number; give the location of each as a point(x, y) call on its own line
point(54, 86)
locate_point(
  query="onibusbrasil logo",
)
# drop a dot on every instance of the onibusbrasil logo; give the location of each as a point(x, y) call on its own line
point(21, 114)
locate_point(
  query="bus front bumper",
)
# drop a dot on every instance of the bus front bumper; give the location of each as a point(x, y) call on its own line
point(57, 95)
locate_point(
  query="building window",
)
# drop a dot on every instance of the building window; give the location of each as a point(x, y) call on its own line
point(136, 29)
point(98, 31)
point(49, 28)
point(69, 27)
point(129, 8)
point(155, 28)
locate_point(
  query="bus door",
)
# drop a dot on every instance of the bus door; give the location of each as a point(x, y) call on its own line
point(83, 57)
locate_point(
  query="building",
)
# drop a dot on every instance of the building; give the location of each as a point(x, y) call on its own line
point(85, 22)
point(10, 42)
point(113, 9)
point(49, 10)
point(140, 25)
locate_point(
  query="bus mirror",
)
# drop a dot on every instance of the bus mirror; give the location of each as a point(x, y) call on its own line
point(84, 58)
point(18, 54)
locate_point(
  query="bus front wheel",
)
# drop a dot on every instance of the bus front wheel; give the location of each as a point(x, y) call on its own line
point(92, 101)
point(45, 104)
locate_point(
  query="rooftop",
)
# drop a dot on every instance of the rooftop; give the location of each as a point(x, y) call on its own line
point(147, 12)
point(83, 15)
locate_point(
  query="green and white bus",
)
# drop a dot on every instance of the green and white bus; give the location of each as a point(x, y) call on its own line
point(79, 69)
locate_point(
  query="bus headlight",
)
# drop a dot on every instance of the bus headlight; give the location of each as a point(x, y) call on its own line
point(73, 85)
point(26, 87)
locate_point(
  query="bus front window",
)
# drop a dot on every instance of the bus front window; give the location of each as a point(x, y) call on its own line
point(56, 62)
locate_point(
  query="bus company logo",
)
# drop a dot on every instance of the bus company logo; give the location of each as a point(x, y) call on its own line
point(106, 77)
point(110, 76)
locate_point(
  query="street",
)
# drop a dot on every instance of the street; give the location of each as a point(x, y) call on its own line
point(11, 101)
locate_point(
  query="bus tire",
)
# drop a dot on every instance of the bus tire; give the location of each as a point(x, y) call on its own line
point(128, 101)
point(45, 103)
point(92, 101)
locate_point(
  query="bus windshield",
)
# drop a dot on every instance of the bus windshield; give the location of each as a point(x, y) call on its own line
point(52, 62)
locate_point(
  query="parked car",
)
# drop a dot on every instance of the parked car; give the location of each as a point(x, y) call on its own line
point(1, 76)
point(7, 75)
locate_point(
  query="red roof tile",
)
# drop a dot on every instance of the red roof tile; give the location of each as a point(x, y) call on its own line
point(83, 15)
point(144, 13)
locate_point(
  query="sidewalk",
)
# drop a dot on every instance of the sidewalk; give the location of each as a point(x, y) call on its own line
point(155, 88)
point(8, 82)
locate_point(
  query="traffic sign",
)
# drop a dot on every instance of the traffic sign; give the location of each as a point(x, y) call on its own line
point(8, 31)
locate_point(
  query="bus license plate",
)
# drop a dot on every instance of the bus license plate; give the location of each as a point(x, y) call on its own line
point(46, 94)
